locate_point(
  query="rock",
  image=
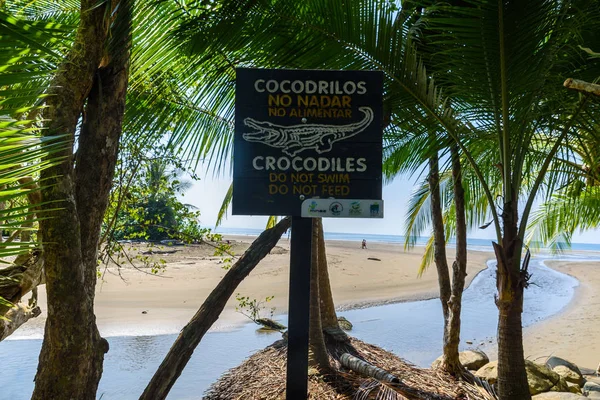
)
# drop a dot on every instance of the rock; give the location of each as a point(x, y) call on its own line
point(539, 377)
point(542, 379)
point(470, 359)
point(473, 359)
point(574, 388)
point(489, 372)
point(591, 389)
point(561, 386)
point(144, 312)
point(576, 376)
point(553, 362)
point(569, 374)
point(344, 324)
point(558, 396)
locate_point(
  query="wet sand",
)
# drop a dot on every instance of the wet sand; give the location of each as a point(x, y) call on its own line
point(574, 333)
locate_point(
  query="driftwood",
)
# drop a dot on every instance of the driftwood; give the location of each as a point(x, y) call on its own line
point(268, 323)
point(185, 344)
point(15, 317)
point(364, 368)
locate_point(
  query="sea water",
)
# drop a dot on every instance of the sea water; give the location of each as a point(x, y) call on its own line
point(473, 244)
point(413, 330)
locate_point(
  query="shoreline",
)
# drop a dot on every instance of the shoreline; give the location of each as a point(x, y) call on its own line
point(357, 283)
point(193, 271)
point(572, 333)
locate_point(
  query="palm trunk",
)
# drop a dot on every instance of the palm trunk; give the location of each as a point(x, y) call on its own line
point(441, 262)
point(318, 356)
point(451, 362)
point(180, 353)
point(70, 364)
point(329, 321)
point(510, 282)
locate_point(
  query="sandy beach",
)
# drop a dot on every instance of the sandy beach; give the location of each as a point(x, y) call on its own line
point(171, 298)
point(130, 302)
point(574, 333)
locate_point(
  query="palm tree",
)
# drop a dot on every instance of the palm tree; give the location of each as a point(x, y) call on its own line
point(506, 104)
point(24, 153)
point(501, 65)
point(89, 70)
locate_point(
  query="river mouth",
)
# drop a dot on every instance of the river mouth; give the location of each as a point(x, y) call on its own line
point(413, 330)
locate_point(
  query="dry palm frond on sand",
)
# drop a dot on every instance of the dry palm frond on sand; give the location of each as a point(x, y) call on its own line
point(262, 376)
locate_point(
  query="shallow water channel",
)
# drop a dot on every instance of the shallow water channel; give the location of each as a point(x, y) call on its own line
point(412, 330)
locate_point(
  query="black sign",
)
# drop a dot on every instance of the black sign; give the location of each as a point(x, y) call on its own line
point(301, 134)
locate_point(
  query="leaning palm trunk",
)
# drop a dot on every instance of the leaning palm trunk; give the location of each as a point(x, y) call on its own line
point(329, 321)
point(450, 360)
point(180, 353)
point(318, 356)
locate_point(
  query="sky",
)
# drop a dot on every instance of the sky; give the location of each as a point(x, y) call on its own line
point(208, 193)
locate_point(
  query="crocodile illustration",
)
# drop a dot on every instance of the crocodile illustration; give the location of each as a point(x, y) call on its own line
point(295, 138)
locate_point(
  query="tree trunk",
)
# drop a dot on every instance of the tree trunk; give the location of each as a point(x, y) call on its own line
point(329, 321)
point(318, 356)
point(72, 353)
point(510, 282)
point(439, 243)
point(450, 362)
point(180, 353)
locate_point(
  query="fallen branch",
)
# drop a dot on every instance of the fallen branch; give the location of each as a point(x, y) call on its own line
point(191, 335)
point(367, 369)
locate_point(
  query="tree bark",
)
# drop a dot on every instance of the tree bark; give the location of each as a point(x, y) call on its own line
point(367, 369)
point(510, 282)
point(15, 282)
point(439, 243)
point(450, 362)
point(72, 353)
point(15, 317)
point(582, 86)
point(329, 321)
point(180, 353)
point(20, 278)
point(318, 357)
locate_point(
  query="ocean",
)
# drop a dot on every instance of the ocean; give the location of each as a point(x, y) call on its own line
point(474, 244)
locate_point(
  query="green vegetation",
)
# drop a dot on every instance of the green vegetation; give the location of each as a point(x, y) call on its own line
point(148, 208)
point(253, 308)
point(473, 95)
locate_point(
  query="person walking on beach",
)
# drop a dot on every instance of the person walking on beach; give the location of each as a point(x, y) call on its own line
point(364, 244)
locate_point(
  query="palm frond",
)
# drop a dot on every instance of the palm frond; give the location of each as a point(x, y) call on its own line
point(225, 205)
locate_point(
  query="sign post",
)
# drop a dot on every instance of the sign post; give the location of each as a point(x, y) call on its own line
point(299, 306)
point(307, 144)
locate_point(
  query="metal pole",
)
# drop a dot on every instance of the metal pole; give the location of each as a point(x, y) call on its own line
point(299, 306)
